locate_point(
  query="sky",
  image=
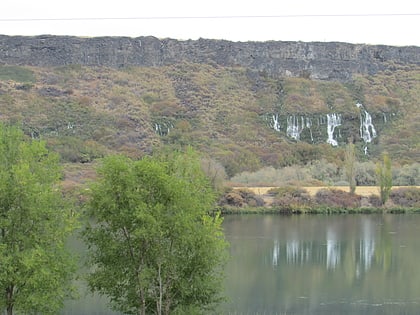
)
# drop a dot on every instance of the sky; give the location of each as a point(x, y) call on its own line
point(384, 22)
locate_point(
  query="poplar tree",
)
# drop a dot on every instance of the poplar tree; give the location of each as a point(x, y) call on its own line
point(35, 268)
point(153, 246)
point(384, 177)
point(350, 166)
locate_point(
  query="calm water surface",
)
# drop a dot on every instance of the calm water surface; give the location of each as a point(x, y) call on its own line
point(344, 264)
point(301, 265)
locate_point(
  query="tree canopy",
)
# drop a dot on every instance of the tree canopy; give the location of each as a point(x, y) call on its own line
point(153, 246)
point(35, 268)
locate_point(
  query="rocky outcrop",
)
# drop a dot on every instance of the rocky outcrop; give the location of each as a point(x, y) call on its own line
point(317, 60)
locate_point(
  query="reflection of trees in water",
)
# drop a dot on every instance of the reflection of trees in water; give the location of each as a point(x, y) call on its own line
point(366, 245)
point(332, 251)
point(276, 252)
point(281, 266)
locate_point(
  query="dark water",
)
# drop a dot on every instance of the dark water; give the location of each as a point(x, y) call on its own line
point(301, 265)
point(361, 264)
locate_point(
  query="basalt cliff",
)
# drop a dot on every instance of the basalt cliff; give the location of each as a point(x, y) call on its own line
point(244, 104)
point(317, 60)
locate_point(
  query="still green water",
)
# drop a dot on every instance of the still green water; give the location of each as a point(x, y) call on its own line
point(343, 264)
point(304, 265)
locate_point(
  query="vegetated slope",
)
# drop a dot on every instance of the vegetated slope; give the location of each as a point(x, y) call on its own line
point(241, 117)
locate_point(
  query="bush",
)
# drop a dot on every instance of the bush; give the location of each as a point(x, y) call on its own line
point(241, 198)
point(406, 197)
point(290, 197)
point(375, 201)
point(337, 198)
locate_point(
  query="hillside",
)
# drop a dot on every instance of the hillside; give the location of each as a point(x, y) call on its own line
point(283, 104)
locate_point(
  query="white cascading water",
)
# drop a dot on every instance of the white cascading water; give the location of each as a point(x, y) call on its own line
point(276, 122)
point(367, 129)
point(333, 121)
point(162, 129)
point(295, 126)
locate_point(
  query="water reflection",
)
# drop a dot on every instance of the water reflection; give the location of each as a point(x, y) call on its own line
point(313, 265)
point(298, 251)
point(333, 249)
point(367, 244)
point(323, 264)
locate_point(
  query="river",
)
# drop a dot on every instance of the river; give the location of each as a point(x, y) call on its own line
point(341, 264)
point(313, 265)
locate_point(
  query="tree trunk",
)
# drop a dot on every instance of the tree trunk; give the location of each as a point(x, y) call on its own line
point(9, 299)
point(159, 302)
point(10, 309)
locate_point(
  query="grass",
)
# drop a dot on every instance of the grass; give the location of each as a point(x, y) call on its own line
point(17, 74)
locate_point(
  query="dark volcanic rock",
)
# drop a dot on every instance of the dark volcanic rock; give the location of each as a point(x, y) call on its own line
point(317, 60)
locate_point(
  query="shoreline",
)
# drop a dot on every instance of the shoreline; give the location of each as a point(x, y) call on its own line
point(316, 210)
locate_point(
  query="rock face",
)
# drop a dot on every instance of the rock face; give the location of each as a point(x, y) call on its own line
point(317, 60)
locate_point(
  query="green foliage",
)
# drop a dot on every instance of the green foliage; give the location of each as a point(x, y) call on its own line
point(384, 177)
point(365, 174)
point(16, 73)
point(153, 246)
point(75, 150)
point(350, 165)
point(36, 269)
point(407, 175)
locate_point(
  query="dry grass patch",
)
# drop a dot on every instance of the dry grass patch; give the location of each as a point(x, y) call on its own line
point(364, 191)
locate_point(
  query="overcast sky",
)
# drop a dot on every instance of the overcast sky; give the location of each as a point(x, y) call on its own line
point(386, 22)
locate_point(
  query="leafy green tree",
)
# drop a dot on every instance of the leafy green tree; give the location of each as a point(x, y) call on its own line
point(384, 177)
point(36, 269)
point(153, 247)
point(350, 166)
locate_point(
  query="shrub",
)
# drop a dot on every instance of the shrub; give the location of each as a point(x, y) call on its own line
point(406, 197)
point(375, 201)
point(290, 197)
point(337, 198)
point(408, 175)
point(241, 198)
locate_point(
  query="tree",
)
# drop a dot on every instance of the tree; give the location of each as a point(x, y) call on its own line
point(215, 172)
point(153, 246)
point(350, 166)
point(36, 269)
point(384, 177)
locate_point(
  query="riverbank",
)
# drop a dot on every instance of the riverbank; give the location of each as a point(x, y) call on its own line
point(314, 210)
point(318, 200)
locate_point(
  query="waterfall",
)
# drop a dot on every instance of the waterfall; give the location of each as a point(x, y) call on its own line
point(309, 125)
point(276, 122)
point(333, 121)
point(295, 126)
point(367, 129)
point(163, 128)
